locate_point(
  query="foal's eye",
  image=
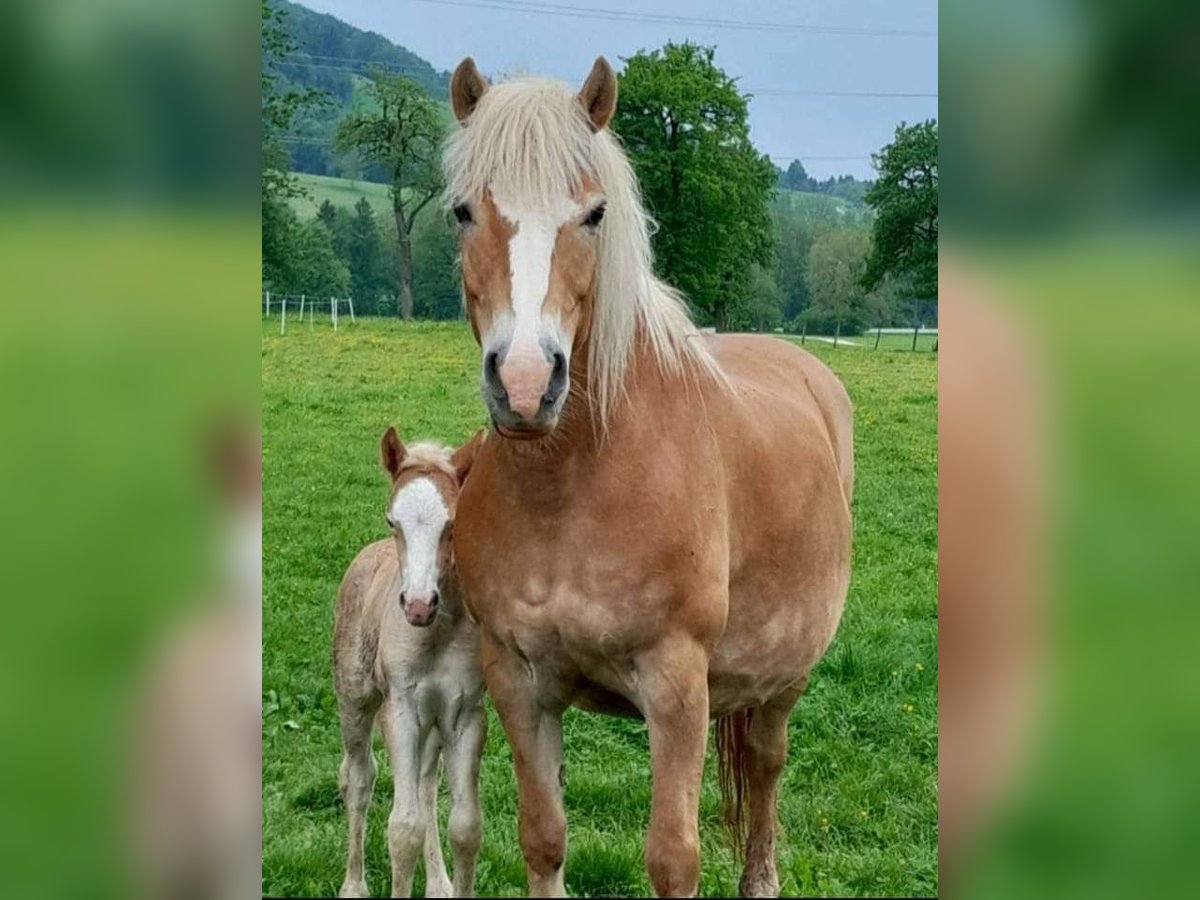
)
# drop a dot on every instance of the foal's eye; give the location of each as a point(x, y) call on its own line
point(595, 217)
point(462, 213)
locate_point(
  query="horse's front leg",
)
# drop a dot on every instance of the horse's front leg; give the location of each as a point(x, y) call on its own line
point(407, 822)
point(534, 732)
point(673, 680)
point(463, 755)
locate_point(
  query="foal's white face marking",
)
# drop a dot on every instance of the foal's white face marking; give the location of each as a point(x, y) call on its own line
point(420, 513)
point(530, 257)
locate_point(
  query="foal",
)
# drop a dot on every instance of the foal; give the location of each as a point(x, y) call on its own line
point(404, 649)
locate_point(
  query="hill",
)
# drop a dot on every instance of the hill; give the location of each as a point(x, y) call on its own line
point(335, 57)
point(810, 207)
point(343, 192)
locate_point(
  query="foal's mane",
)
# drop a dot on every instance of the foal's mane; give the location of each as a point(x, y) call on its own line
point(531, 138)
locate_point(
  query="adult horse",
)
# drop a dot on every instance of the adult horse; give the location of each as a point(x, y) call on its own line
point(664, 528)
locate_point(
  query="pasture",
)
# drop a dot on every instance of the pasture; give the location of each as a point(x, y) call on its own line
point(858, 800)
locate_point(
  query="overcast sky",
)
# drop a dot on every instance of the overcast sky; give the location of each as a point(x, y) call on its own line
point(830, 134)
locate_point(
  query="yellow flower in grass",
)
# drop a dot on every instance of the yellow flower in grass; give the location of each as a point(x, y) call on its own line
point(908, 709)
point(920, 667)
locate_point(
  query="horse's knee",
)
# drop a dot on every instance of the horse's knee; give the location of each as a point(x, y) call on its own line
point(356, 778)
point(544, 842)
point(466, 828)
point(673, 864)
point(406, 832)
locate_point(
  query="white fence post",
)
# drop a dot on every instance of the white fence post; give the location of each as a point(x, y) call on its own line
point(333, 312)
point(283, 315)
point(268, 304)
point(301, 309)
point(350, 300)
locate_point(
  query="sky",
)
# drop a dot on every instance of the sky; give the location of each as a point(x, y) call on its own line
point(794, 53)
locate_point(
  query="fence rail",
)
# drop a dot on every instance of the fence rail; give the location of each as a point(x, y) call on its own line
point(304, 303)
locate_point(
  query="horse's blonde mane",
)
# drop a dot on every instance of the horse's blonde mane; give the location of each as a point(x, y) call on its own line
point(428, 455)
point(531, 138)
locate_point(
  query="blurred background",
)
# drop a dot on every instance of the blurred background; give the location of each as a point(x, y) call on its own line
point(130, 158)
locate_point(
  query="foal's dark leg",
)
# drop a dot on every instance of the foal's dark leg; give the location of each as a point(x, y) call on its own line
point(766, 754)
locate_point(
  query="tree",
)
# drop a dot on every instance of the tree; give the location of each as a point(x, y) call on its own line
point(836, 265)
point(684, 122)
point(795, 178)
point(905, 199)
point(279, 107)
point(403, 133)
point(364, 256)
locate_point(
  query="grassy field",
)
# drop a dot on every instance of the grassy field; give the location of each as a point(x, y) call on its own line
point(340, 192)
point(859, 797)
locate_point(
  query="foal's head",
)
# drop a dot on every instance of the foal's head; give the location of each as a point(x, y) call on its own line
point(528, 194)
point(426, 480)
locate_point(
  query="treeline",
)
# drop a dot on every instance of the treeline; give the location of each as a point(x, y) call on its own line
point(751, 246)
point(795, 178)
point(344, 252)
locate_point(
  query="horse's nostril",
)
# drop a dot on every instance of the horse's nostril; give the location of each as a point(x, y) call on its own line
point(491, 368)
point(433, 600)
point(403, 599)
point(560, 364)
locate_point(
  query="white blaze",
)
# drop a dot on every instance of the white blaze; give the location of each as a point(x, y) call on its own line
point(420, 513)
point(530, 256)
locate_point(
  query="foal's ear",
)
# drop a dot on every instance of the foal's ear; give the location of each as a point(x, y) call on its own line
point(598, 96)
point(391, 451)
point(466, 87)
point(464, 457)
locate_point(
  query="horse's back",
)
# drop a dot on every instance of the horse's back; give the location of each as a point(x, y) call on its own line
point(355, 622)
point(774, 378)
point(785, 438)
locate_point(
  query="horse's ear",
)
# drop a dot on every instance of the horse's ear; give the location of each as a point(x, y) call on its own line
point(598, 96)
point(464, 457)
point(391, 451)
point(466, 87)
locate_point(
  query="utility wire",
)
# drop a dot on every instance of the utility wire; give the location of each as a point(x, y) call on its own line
point(590, 12)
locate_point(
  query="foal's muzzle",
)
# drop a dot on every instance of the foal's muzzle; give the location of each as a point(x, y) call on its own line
point(419, 609)
point(524, 388)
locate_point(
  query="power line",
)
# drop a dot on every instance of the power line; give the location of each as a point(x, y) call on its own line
point(757, 92)
point(590, 12)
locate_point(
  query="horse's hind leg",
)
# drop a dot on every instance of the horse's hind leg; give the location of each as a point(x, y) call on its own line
point(356, 781)
point(766, 754)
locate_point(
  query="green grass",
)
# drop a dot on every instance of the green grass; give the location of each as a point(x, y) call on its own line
point(859, 796)
point(340, 192)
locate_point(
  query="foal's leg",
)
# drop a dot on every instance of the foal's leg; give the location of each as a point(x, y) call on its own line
point(463, 753)
point(535, 735)
point(406, 824)
point(356, 780)
point(674, 696)
point(437, 882)
point(766, 754)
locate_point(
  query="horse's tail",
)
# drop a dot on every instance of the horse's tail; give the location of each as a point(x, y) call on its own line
point(732, 733)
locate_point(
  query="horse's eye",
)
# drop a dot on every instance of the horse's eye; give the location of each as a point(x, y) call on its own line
point(594, 217)
point(462, 213)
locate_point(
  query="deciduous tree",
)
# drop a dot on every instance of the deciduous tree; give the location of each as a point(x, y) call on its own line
point(403, 133)
point(684, 122)
point(905, 198)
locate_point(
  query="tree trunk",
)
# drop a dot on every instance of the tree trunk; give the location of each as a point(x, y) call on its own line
point(721, 317)
point(404, 266)
point(837, 332)
point(878, 335)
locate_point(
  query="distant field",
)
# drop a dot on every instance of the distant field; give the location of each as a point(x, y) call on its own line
point(859, 795)
point(340, 192)
point(825, 207)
